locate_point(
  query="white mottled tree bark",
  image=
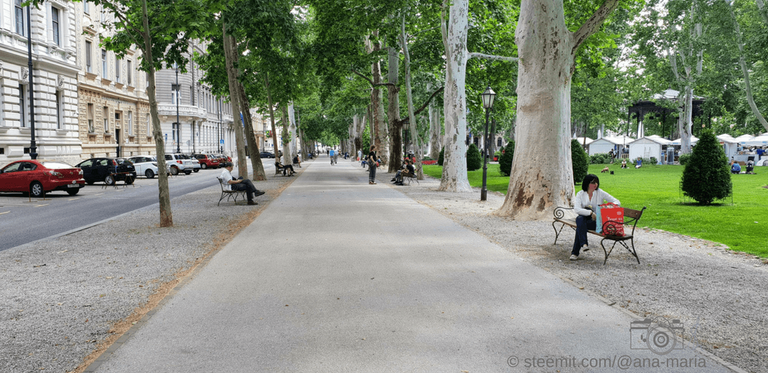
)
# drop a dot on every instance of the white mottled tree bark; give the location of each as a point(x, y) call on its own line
point(435, 128)
point(455, 101)
point(744, 69)
point(292, 129)
point(541, 176)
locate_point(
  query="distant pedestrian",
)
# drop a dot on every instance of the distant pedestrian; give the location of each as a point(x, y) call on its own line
point(331, 153)
point(372, 165)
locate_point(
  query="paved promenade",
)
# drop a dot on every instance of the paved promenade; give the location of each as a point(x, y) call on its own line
point(340, 276)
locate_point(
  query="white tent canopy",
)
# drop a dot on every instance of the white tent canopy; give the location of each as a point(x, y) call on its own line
point(744, 138)
point(607, 143)
point(727, 138)
point(581, 140)
point(761, 140)
point(652, 146)
point(694, 140)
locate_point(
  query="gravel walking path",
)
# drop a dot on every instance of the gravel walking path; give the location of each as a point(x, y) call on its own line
point(67, 297)
point(719, 295)
point(63, 299)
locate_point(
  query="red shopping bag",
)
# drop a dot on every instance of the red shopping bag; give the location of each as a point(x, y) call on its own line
point(612, 219)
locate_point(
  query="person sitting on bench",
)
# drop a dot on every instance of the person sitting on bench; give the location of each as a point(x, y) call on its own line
point(296, 161)
point(407, 170)
point(230, 183)
point(585, 204)
point(288, 167)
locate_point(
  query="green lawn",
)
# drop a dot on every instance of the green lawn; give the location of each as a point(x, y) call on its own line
point(743, 225)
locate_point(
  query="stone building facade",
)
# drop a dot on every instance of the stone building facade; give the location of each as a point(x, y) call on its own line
point(113, 107)
point(54, 86)
point(204, 119)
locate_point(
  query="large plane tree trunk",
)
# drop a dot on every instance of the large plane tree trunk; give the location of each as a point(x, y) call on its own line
point(393, 111)
point(541, 176)
point(242, 164)
point(435, 128)
point(455, 101)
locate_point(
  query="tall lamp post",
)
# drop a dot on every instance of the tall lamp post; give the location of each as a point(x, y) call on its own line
point(176, 87)
point(488, 97)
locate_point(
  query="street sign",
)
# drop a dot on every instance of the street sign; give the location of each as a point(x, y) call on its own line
point(221, 141)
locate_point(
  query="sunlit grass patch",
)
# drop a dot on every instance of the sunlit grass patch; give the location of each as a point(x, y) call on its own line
point(742, 225)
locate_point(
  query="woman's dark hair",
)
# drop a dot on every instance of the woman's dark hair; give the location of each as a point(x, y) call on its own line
point(588, 180)
point(373, 146)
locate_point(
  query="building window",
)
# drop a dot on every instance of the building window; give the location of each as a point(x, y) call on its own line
point(130, 123)
point(23, 105)
point(59, 110)
point(192, 95)
point(498, 142)
point(86, 7)
point(149, 125)
point(129, 72)
point(89, 114)
point(104, 63)
point(55, 25)
point(117, 69)
point(106, 119)
point(88, 64)
point(173, 97)
point(19, 18)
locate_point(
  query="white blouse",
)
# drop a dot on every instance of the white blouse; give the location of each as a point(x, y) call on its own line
point(581, 200)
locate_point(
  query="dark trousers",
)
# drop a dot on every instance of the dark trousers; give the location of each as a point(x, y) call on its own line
point(247, 186)
point(372, 172)
point(286, 167)
point(583, 224)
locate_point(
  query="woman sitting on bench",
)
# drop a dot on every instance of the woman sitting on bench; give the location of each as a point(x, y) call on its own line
point(585, 204)
point(288, 167)
point(407, 170)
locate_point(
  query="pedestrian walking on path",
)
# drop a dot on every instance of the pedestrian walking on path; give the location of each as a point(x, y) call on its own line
point(372, 165)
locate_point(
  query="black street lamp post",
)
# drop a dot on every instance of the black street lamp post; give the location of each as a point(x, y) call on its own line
point(488, 97)
point(32, 145)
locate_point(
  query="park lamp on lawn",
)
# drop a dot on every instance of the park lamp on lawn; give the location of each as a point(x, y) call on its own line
point(488, 97)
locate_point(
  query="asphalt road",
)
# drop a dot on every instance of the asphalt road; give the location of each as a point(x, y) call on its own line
point(24, 220)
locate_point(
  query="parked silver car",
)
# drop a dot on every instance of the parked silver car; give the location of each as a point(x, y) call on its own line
point(181, 163)
point(146, 165)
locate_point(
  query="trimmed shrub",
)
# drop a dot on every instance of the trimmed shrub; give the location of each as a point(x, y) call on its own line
point(706, 176)
point(474, 159)
point(441, 156)
point(426, 158)
point(580, 162)
point(599, 158)
point(505, 161)
point(684, 158)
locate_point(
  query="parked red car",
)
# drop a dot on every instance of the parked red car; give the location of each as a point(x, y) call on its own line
point(206, 161)
point(40, 177)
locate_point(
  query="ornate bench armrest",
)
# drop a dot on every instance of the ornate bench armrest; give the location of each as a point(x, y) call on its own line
point(559, 212)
